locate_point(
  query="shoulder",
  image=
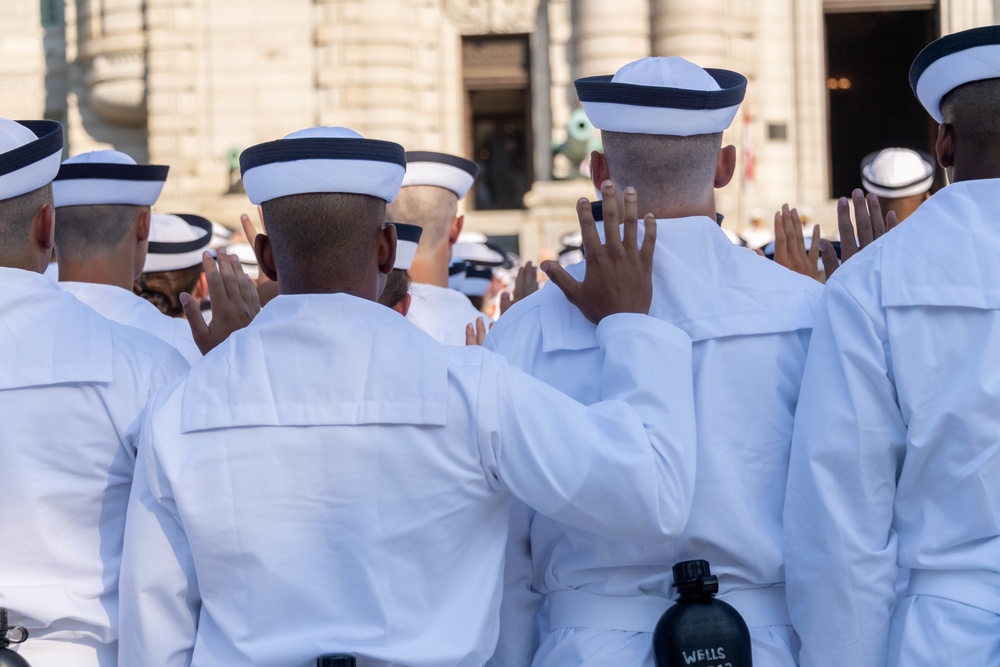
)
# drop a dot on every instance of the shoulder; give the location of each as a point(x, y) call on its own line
point(523, 319)
point(143, 349)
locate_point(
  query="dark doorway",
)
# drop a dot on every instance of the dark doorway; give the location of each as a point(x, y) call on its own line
point(871, 105)
point(497, 76)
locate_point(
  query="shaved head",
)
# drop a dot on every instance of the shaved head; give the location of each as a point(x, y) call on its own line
point(654, 163)
point(85, 232)
point(427, 206)
point(16, 215)
point(974, 110)
point(316, 238)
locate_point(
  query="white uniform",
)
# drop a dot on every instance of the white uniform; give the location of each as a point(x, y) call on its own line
point(895, 462)
point(749, 320)
point(120, 305)
point(330, 479)
point(72, 386)
point(442, 312)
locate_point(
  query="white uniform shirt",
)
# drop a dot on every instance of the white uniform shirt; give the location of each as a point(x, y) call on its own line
point(72, 385)
point(330, 479)
point(125, 307)
point(895, 462)
point(749, 321)
point(442, 312)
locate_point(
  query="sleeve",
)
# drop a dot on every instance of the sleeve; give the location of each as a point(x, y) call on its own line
point(847, 449)
point(623, 467)
point(519, 636)
point(159, 601)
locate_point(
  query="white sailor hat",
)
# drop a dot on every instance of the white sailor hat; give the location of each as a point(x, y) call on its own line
point(477, 280)
point(176, 241)
point(107, 177)
point(441, 170)
point(29, 155)
point(221, 236)
point(952, 61)
point(479, 254)
point(407, 239)
point(323, 159)
point(669, 96)
point(897, 172)
point(456, 273)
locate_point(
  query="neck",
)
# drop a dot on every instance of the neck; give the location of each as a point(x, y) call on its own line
point(110, 269)
point(975, 169)
point(430, 265)
point(368, 287)
point(665, 209)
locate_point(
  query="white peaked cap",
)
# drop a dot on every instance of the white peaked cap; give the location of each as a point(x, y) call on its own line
point(897, 172)
point(477, 281)
point(666, 96)
point(952, 61)
point(323, 159)
point(440, 170)
point(176, 241)
point(456, 273)
point(407, 240)
point(107, 177)
point(29, 155)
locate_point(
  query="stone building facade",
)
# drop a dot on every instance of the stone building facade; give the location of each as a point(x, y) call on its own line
point(190, 83)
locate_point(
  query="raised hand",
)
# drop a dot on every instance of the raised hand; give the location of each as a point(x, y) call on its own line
point(619, 274)
point(525, 284)
point(871, 225)
point(475, 334)
point(234, 301)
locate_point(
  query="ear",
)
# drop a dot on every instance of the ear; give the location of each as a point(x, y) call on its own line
point(201, 289)
point(945, 145)
point(43, 227)
point(599, 171)
point(403, 305)
point(142, 226)
point(725, 166)
point(386, 249)
point(456, 228)
point(265, 259)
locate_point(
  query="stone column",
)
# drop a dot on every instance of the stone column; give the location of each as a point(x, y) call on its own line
point(959, 15)
point(693, 30)
point(610, 34)
point(22, 59)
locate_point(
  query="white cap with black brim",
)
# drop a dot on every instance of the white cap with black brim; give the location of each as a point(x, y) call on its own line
point(107, 177)
point(407, 240)
point(897, 172)
point(30, 151)
point(666, 96)
point(456, 273)
point(952, 61)
point(440, 170)
point(176, 241)
point(321, 160)
point(477, 281)
point(478, 254)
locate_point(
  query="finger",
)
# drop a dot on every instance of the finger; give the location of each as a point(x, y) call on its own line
point(242, 282)
point(648, 240)
point(630, 237)
point(470, 335)
point(862, 218)
point(505, 302)
point(216, 290)
point(565, 282)
point(230, 284)
point(248, 229)
point(848, 244)
point(795, 226)
point(875, 213)
point(192, 311)
point(612, 219)
point(480, 330)
point(254, 294)
point(531, 280)
point(891, 220)
point(780, 243)
point(588, 228)
point(829, 255)
point(814, 251)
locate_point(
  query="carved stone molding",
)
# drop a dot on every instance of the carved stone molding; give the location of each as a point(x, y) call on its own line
point(493, 17)
point(118, 88)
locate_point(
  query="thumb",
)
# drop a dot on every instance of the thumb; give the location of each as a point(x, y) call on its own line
point(199, 329)
point(565, 282)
